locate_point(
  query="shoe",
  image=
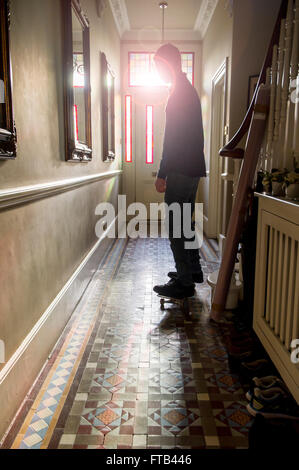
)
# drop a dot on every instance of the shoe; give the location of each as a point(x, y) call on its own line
point(197, 277)
point(236, 335)
point(239, 326)
point(257, 368)
point(174, 289)
point(246, 344)
point(273, 435)
point(247, 350)
point(264, 383)
point(245, 356)
point(236, 361)
point(272, 403)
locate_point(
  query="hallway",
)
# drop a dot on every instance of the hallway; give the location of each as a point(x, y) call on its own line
point(125, 374)
point(108, 108)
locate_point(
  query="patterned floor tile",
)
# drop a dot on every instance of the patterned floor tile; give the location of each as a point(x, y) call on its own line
point(223, 381)
point(107, 417)
point(112, 381)
point(171, 381)
point(174, 418)
point(145, 378)
point(235, 417)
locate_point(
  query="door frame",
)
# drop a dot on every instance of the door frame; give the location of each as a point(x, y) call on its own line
point(218, 116)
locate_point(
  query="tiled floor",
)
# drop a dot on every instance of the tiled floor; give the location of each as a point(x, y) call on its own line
point(127, 375)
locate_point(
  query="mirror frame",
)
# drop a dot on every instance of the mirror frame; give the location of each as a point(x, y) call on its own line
point(75, 151)
point(108, 154)
point(8, 135)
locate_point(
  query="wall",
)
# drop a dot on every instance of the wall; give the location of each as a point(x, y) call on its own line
point(43, 242)
point(216, 47)
point(36, 48)
point(253, 26)
point(243, 38)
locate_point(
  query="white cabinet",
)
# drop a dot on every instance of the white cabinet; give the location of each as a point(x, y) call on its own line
point(276, 296)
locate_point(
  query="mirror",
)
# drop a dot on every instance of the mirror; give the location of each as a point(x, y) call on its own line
point(8, 136)
point(111, 130)
point(77, 83)
point(108, 109)
point(78, 80)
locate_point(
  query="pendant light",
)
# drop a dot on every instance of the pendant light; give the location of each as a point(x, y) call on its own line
point(163, 6)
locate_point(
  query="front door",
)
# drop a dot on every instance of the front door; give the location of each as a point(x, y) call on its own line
point(149, 135)
point(146, 96)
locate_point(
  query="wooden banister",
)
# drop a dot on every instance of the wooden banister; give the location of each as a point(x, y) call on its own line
point(230, 150)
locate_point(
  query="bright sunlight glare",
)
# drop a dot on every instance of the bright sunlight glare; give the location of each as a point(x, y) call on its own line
point(143, 72)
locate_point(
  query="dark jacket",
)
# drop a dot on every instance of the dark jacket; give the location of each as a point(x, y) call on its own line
point(183, 139)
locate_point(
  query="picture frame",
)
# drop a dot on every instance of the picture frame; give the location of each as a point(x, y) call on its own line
point(8, 134)
point(108, 109)
point(78, 148)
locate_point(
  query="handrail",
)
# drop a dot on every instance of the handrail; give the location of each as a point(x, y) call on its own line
point(230, 150)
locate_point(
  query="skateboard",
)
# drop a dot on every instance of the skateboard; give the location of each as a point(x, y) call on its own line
point(182, 303)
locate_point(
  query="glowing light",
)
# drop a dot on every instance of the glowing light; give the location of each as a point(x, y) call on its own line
point(76, 129)
point(188, 65)
point(149, 134)
point(128, 128)
point(78, 70)
point(143, 72)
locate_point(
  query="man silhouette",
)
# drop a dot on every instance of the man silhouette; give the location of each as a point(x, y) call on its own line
point(181, 167)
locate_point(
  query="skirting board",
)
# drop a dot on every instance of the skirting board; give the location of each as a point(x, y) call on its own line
point(21, 370)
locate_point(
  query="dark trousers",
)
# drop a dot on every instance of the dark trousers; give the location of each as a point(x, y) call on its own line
point(182, 189)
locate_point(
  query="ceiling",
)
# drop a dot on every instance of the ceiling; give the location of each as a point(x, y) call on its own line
point(184, 19)
point(180, 14)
